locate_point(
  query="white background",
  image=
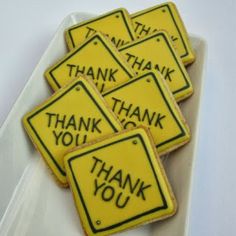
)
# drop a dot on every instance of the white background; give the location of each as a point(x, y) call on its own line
point(27, 26)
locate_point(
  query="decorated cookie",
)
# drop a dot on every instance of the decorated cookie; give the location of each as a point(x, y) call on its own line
point(119, 183)
point(165, 17)
point(98, 59)
point(146, 100)
point(73, 116)
point(116, 24)
point(156, 52)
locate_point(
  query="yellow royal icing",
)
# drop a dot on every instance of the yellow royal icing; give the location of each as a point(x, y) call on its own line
point(119, 183)
point(98, 59)
point(165, 17)
point(145, 100)
point(156, 52)
point(74, 115)
point(115, 24)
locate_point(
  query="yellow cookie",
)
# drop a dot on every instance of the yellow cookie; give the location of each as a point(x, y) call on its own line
point(98, 59)
point(146, 100)
point(74, 115)
point(156, 52)
point(119, 183)
point(116, 24)
point(165, 17)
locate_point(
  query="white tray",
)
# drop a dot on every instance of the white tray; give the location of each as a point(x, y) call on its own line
point(31, 204)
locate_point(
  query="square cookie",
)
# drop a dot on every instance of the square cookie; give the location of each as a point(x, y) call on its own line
point(116, 24)
point(72, 116)
point(119, 183)
point(146, 100)
point(156, 52)
point(165, 17)
point(97, 58)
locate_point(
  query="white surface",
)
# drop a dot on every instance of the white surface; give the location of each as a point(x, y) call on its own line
point(29, 182)
point(27, 27)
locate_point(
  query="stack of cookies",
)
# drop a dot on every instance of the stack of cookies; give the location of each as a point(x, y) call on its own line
point(113, 112)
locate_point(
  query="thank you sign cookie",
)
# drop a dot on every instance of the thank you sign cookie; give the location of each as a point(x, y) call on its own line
point(156, 52)
point(111, 191)
point(71, 117)
point(146, 100)
point(166, 18)
point(116, 24)
point(96, 58)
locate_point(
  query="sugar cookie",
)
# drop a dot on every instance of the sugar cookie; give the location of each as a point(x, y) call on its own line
point(156, 52)
point(116, 24)
point(119, 183)
point(72, 116)
point(165, 17)
point(97, 58)
point(145, 100)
